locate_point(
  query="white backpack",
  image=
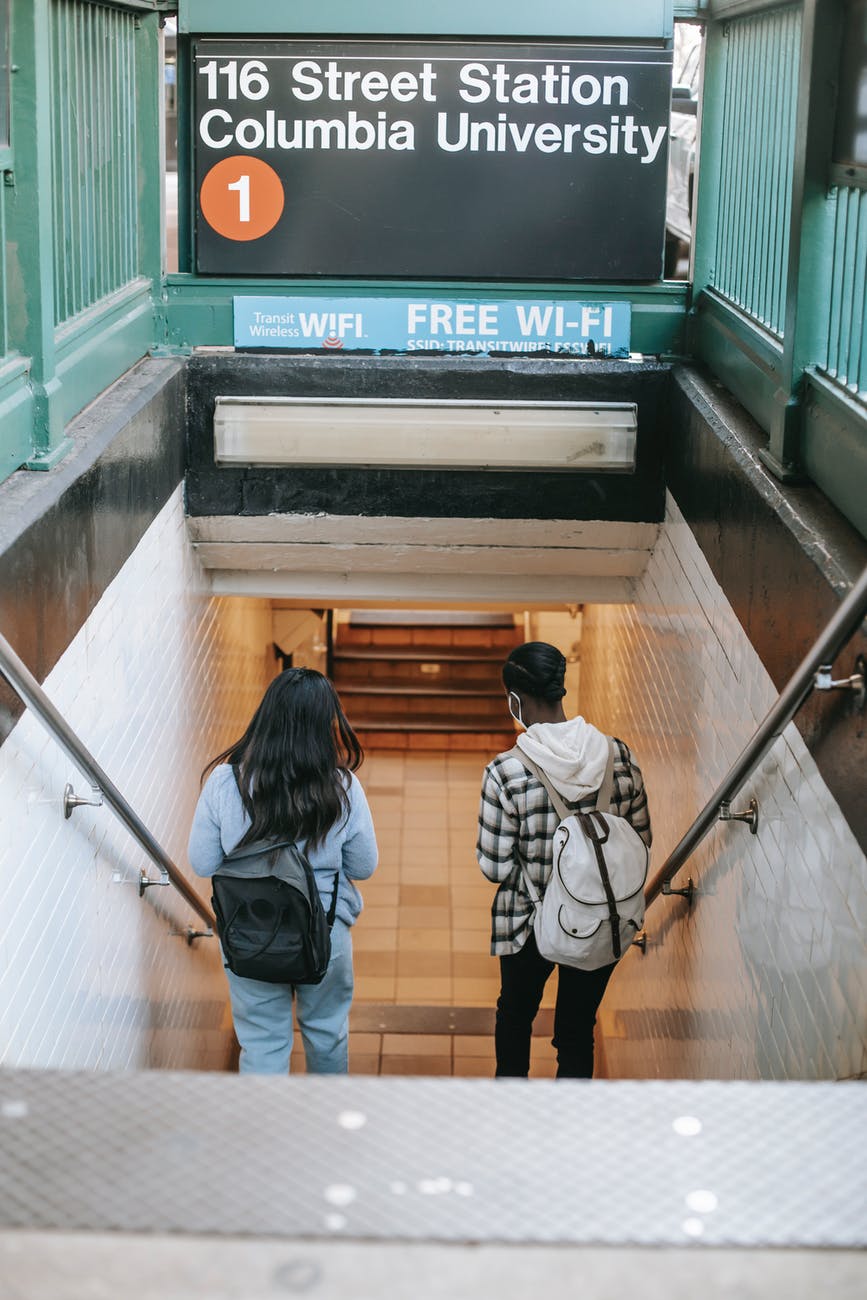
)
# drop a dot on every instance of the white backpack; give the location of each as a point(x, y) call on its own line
point(593, 904)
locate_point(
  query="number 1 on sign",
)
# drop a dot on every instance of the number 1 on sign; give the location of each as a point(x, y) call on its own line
point(242, 185)
point(241, 197)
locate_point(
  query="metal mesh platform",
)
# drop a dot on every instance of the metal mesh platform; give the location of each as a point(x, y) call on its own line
point(723, 1164)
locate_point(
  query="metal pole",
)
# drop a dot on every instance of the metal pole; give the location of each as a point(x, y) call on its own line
point(838, 631)
point(26, 686)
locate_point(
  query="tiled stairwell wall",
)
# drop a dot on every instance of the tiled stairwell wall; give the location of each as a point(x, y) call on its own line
point(159, 679)
point(764, 977)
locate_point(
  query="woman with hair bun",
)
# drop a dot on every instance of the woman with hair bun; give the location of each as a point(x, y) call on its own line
point(291, 776)
point(517, 822)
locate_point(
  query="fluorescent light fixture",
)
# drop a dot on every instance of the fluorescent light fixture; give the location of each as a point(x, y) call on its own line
point(418, 434)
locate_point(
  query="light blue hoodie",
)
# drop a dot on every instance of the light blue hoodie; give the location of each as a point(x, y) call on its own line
point(220, 821)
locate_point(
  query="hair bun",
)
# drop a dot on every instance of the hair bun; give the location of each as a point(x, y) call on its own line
point(538, 669)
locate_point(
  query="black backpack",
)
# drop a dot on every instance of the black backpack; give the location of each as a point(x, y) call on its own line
point(270, 918)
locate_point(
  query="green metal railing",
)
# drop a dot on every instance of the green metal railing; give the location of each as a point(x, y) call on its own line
point(846, 361)
point(757, 149)
point(780, 256)
point(80, 253)
point(94, 162)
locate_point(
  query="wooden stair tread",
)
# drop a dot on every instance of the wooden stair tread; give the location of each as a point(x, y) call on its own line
point(417, 688)
point(378, 668)
point(428, 618)
point(423, 654)
point(403, 722)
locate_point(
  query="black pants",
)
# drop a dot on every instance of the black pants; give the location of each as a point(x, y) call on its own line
point(523, 976)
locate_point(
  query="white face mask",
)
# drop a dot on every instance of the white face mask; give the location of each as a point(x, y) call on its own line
point(516, 716)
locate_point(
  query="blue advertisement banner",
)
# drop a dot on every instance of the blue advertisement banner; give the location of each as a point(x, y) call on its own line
point(433, 325)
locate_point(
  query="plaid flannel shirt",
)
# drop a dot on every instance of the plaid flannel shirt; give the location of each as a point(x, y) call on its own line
point(516, 830)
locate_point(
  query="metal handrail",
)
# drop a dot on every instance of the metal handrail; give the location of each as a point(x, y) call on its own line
point(26, 686)
point(824, 650)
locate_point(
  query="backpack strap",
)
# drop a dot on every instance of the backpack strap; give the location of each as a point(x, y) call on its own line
point(332, 911)
point(249, 850)
point(562, 809)
point(606, 789)
point(535, 896)
point(598, 834)
point(257, 846)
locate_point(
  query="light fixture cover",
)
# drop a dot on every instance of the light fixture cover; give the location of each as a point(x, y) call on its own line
point(420, 434)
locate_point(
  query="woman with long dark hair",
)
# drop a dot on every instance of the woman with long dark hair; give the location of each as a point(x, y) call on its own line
point(517, 822)
point(291, 777)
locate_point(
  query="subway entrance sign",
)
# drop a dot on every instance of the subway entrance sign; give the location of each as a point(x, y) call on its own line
point(426, 160)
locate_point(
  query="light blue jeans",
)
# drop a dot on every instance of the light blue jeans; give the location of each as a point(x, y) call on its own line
point(262, 1014)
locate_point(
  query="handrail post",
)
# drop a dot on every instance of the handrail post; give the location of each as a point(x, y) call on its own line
point(26, 686)
point(839, 630)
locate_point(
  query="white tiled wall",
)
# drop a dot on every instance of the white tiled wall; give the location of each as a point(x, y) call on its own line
point(160, 678)
point(764, 977)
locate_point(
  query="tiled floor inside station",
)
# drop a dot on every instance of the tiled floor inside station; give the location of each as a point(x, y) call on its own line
point(422, 943)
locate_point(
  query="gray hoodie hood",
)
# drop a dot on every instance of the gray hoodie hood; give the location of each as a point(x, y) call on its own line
point(572, 754)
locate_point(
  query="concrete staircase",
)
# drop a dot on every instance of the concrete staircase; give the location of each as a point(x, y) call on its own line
point(425, 680)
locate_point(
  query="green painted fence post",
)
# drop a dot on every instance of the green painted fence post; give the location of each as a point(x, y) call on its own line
point(708, 157)
point(150, 133)
point(811, 232)
point(185, 153)
point(30, 229)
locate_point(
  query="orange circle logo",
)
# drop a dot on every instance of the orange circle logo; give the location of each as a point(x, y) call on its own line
point(241, 198)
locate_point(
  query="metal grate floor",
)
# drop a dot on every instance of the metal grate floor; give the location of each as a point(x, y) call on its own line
point(431, 1160)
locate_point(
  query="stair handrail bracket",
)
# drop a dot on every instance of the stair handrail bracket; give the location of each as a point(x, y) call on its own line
point(103, 788)
point(813, 673)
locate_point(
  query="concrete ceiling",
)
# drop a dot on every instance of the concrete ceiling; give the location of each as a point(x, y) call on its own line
point(351, 560)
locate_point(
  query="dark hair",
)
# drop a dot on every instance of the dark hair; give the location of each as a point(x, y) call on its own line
point(536, 669)
point(291, 757)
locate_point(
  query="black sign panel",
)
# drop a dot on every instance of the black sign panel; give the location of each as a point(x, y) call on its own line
point(434, 160)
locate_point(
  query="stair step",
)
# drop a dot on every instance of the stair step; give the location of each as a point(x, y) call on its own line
point(429, 618)
point(401, 722)
point(421, 654)
point(387, 1017)
point(423, 679)
point(414, 688)
point(484, 677)
point(427, 637)
point(442, 707)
